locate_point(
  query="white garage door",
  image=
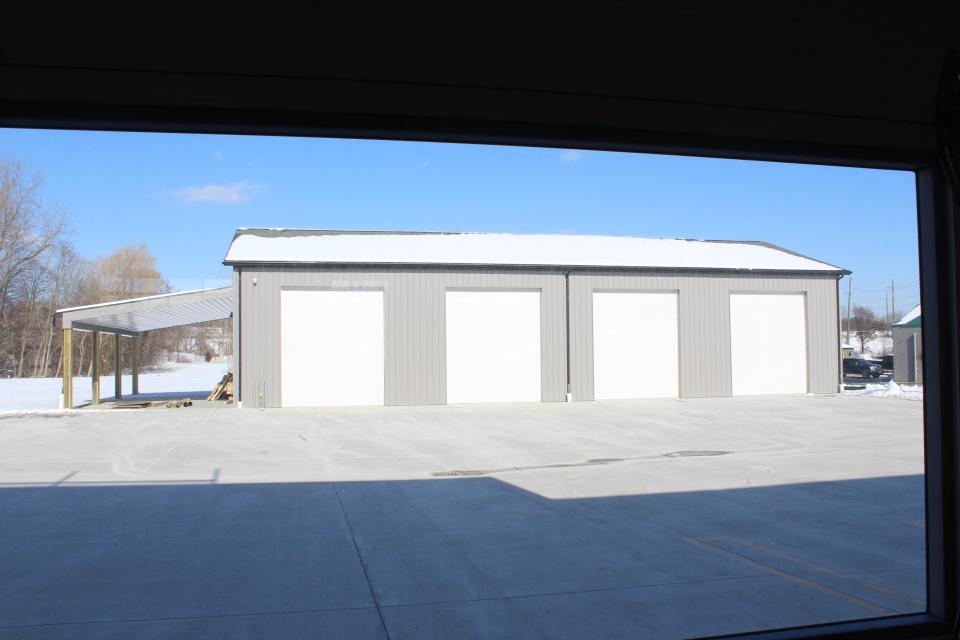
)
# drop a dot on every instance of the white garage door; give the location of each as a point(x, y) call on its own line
point(635, 345)
point(493, 346)
point(331, 346)
point(768, 343)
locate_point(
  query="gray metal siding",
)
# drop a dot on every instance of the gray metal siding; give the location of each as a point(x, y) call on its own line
point(415, 325)
point(236, 351)
point(704, 325)
point(901, 359)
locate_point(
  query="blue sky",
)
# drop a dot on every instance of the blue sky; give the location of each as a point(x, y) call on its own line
point(184, 195)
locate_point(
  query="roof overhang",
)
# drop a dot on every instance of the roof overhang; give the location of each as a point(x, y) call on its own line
point(910, 324)
point(320, 247)
point(137, 315)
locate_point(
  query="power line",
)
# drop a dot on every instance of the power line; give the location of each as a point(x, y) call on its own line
point(886, 289)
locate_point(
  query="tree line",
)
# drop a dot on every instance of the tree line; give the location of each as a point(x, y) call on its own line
point(41, 271)
point(863, 325)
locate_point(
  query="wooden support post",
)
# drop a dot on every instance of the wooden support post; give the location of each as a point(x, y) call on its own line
point(135, 366)
point(67, 368)
point(95, 369)
point(117, 368)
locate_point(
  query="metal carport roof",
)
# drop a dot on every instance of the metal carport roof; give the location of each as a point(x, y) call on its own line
point(134, 316)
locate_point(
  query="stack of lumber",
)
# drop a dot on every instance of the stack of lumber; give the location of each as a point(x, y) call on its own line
point(223, 390)
point(132, 405)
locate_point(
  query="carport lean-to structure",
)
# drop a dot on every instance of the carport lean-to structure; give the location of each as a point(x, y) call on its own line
point(404, 318)
point(133, 318)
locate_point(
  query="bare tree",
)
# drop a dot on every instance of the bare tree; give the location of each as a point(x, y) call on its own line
point(41, 272)
point(865, 325)
point(128, 272)
point(65, 274)
point(30, 229)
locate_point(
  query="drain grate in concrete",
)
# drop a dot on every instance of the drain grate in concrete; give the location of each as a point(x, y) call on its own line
point(694, 454)
point(456, 473)
point(559, 465)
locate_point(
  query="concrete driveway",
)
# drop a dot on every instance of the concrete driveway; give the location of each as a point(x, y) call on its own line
point(665, 518)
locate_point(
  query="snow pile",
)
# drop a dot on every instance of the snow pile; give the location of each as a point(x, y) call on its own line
point(54, 413)
point(889, 390)
point(20, 394)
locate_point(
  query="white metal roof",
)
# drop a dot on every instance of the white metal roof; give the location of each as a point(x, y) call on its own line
point(910, 315)
point(272, 246)
point(136, 315)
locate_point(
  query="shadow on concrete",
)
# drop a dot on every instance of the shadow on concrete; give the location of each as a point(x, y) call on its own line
point(442, 558)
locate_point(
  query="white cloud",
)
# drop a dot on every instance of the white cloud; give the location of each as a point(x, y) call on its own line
point(218, 155)
point(571, 155)
point(233, 193)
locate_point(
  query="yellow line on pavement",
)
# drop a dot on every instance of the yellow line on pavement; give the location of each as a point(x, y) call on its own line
point(869, 606)
point(815, 567)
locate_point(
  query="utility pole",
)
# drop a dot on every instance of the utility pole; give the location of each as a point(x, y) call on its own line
point(893, 299)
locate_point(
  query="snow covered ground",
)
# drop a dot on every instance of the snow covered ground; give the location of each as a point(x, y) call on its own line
point(889, 390)
point(44, 393)
point(19, 394)
point(873, 348)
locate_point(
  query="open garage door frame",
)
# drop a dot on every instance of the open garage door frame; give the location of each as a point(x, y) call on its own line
point(332, 347)
point(636, 346)
point(768, 343)
point(735, 120)
point(493, 345)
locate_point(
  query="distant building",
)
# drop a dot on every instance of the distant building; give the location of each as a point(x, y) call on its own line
point(908, 348)
point(847, 350)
